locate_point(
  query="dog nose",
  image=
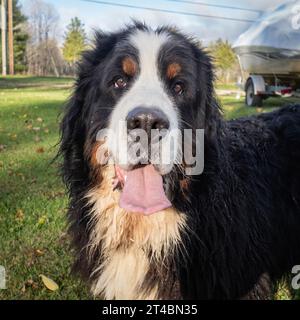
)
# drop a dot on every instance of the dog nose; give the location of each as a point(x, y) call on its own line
point(147, 119)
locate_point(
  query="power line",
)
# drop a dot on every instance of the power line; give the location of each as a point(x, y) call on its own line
point(216, 5)
point(115, 4)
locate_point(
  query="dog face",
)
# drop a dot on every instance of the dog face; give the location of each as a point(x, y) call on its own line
point(150, 101)
point(158, 82)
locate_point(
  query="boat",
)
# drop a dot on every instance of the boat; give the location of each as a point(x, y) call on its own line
point(269, 60)
point(272, 44)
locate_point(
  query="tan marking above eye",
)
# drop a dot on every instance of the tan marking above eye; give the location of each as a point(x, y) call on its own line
point(173, 70)
point(129, 66)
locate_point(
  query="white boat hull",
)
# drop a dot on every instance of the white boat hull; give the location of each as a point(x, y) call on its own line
point(268, 60)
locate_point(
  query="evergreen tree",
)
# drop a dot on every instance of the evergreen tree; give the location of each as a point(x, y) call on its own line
point(223, 54)
point(20, 37)
point(224, 57)
point(75, 41)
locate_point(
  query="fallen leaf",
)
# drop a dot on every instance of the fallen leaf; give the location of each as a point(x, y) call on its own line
point(36, 129)
point(42, 220)
point(39, 119)
point(2, 147)
point(21, 175)
point(14, 137)
point(40, 150)
point(39, 252)
point(20, 215)
point(49, 283)
point(30, 283)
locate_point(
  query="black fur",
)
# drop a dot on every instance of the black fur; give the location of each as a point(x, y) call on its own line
point(243, 211)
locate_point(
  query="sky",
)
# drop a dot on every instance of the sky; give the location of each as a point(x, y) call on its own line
point(110, 18)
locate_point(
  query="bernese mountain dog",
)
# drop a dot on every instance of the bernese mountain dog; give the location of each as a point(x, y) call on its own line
point(152, 230)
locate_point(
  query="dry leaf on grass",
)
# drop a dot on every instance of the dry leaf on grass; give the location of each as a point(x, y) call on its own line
point(20, 215)
point(39, 252)
point(49, 283)
point(42, 220)
point(2, 147)
point(40, 150)
point(13, 136)
point(29, 284)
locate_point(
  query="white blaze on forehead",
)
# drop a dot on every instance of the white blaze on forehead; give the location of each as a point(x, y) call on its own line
point(148, 90)
point(149, 46)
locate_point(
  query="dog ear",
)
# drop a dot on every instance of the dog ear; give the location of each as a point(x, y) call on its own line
point(212, 117)
point(209, 112)
point(71, 145)
point(73, 125)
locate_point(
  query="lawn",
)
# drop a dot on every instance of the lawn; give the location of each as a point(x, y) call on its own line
point(32, 198)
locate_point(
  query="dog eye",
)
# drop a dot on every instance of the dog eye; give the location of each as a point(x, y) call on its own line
point(178, 88)
point(120, 83)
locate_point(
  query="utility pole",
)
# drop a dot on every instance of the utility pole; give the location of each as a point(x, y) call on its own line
point(11, 38)
point(3, 36)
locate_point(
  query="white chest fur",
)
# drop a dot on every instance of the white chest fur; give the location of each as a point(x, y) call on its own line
point(125, 240)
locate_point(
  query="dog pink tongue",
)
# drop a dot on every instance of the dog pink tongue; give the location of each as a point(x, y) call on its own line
point(143, 191)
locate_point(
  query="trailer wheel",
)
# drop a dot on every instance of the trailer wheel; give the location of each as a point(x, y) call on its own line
point(252, 99)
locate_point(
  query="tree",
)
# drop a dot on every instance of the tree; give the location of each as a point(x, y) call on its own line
point(75, 41)
point(224, 57)
point(43, 54)
point(20, 38)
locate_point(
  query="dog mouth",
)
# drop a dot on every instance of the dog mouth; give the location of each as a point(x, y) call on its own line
point(142, 189)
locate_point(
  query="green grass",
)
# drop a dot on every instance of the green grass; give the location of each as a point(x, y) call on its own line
point(235, 108)
point(225, 86)
point(10, 82)
point(32, 197)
